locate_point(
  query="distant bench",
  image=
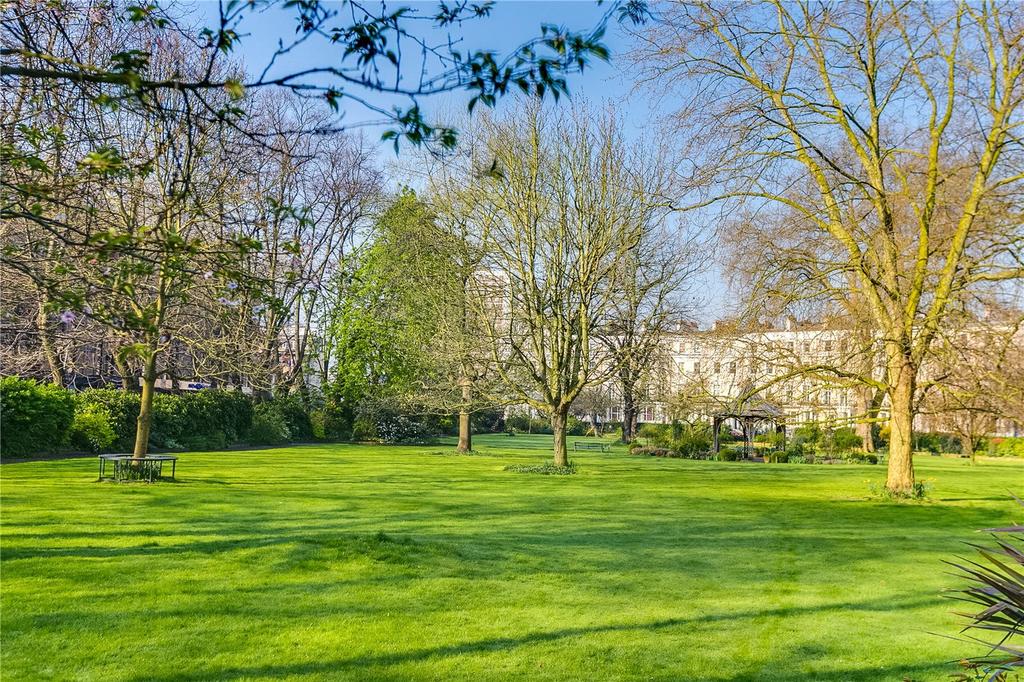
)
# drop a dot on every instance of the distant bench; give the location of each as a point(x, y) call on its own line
point(601, 447)
point(129, 468)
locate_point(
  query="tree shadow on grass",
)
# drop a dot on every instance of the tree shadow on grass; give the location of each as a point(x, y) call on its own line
point(360, 665)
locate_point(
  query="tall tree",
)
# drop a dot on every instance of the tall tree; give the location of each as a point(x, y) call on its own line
point(563, 208)
point(905, 117)
point(650, 303)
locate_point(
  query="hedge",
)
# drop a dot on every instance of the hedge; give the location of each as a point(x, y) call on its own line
point(42, 419)
point(34, 418)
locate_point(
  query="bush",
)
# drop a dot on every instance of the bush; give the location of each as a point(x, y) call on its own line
point(34, 418)
point(123, 410)
point(296, 413)
point(365, 429)
point(691, 441)
point(807, 437)
point(548, 469)
point(1006, 447)
point(269, 426)
point(650, 450)
point(728, 455)
point(318, 424)
point(491, 420)
point(776, 457)
point(840, 440)
point(575, 427)
point(91, 430)
point(937, 443)
point(659, 435)
point(860, 457)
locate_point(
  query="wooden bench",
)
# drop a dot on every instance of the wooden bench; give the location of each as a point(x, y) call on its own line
point(129, 468)
point(600, 447)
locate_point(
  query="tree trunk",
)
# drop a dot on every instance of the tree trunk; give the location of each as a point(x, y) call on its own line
point(465, 423)
point(145, 419)
point(967, 446)
point(46, 342)
point(628, 417)
point(901, 427)
point(867, 407)
point(558, 419)
point(128, 382)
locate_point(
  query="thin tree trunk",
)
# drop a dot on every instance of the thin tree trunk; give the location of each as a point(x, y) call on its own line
point(46, 342)
point(967, 447)
point(901, 427)
point(145, 419)
point(465, 425)
point(864, 428)
point(561, 452)
point(628, 417)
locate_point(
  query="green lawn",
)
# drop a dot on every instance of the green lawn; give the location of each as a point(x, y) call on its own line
point(360, 562)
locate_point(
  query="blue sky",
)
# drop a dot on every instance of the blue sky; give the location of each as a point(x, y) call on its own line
point(511, 23)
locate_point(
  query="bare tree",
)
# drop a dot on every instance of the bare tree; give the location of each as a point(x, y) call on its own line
point(890, 130)
point(976, 378)
point(563, 209)
point(654, 279)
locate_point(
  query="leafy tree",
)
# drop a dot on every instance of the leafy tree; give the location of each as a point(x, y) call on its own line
point(404, 52)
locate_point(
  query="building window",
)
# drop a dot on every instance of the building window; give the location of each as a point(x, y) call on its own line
point(718, 367)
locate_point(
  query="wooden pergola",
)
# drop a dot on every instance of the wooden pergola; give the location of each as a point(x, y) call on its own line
point(750, 409)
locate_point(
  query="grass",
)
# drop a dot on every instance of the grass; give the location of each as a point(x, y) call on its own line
point(362, 562)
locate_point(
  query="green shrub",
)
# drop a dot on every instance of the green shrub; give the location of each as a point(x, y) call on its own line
point(650, 450)
point(540, 426)
point(517, 423)
point(1006, 447)
point(575, 427)
point(123, 408)
point(659, 435)
point(490, 420)
point(269, 426)
point(840, 440)
point(548, 469)
point(919, 491)
point(807, 437)
point(691, 441)
point(34, 418)
point(364, 429)
point(937, 443)
point(776, 456)
point(296, 413)
point(318, 424)
point(728, 455)
point(91, 430)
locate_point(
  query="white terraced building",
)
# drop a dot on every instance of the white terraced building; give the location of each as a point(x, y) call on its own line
point(714, 367)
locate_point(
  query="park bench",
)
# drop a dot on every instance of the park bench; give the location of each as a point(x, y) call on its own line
point(129, 468)
point(601, 447)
